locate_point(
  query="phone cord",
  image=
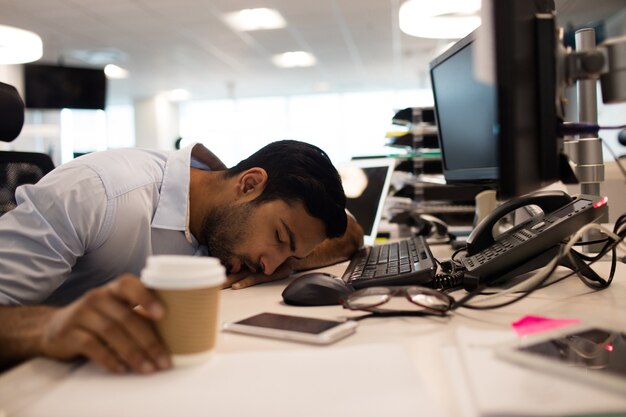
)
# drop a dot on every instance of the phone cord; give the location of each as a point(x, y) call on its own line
point(448, 281)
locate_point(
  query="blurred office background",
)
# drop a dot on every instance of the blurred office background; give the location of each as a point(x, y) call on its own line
point(184, 70)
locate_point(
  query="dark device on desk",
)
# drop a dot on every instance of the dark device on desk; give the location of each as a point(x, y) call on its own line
point(594, 355)
point(406, 262)
point(529, 245)
point(502, 134)
point(316, 289)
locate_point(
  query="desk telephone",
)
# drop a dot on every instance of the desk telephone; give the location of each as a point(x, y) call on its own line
point(531, 244)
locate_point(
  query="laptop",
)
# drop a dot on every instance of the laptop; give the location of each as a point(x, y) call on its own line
point(366, 183)
point(409, 261)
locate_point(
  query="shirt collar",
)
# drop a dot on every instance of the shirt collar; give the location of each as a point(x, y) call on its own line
point(173, 208)
point(172, 211)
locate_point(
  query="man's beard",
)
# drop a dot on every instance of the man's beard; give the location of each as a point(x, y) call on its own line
point(224, 227)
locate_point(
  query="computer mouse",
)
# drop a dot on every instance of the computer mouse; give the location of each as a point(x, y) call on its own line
point(316, 289)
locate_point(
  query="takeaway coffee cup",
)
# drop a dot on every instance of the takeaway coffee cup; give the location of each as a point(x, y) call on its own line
point(189, 289)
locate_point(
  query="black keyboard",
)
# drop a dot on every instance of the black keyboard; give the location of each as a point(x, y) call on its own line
point(406, 262)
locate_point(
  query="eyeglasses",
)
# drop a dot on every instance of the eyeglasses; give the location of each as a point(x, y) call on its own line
point(420, 298)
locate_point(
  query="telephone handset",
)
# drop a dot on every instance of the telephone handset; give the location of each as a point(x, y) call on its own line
point(482, 236)
point(531, 244)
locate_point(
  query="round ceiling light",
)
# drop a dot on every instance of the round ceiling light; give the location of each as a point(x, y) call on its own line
point(18, 46)
point(449, 19)
point(255, 19)
point(294, 59)
point(115, 72)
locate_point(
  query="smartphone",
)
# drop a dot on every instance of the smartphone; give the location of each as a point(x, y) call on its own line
point(294, 328)
point(592, 354)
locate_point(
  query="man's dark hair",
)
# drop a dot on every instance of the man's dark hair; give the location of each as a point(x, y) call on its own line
point(299, 171)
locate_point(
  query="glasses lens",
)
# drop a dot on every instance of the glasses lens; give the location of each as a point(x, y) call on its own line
point(367, 298)
point(427, 298)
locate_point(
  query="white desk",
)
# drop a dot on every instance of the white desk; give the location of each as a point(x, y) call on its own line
point(430, 342)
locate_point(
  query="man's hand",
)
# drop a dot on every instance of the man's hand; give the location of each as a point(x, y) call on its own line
point(111, 325)
point(245, 279)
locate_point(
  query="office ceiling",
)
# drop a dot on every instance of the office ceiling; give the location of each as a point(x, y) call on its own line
point(169, 44)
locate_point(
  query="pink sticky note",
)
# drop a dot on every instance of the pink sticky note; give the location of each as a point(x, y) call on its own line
point(535, 324)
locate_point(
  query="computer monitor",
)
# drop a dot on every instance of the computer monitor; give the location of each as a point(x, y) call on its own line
point(504, 134)
point(465, 112)
point(366, 183)
point(58, 87)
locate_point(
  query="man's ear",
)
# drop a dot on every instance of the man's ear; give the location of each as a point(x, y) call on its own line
point(251, 183)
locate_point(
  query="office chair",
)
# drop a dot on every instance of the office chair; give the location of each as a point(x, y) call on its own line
point(16, 168)
point(621, 138)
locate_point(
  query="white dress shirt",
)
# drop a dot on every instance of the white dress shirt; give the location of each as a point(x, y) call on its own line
point(92, 219)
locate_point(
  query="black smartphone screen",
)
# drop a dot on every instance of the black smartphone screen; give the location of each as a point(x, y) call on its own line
point(595, 350)
point(293, 323)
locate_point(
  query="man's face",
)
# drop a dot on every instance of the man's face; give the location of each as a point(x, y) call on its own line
point(260, 237)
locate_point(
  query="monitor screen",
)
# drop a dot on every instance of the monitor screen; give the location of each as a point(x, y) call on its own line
point(365, 205)
point(55, 87)
point(366, 183)
point(466, 117)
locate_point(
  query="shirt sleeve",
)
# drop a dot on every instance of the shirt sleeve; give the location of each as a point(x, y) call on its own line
point(56, 221)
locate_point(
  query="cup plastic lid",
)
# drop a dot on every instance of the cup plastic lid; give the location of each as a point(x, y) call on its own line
point(182, 272)
point(181, 261)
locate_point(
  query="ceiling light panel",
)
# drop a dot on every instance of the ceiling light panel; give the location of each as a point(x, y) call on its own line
point(442, 19)
point(294, 59)
point(18, 46)
point(115, 72)
point(255, 19)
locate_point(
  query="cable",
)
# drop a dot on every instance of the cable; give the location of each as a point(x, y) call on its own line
point(543, 273)
point(554, 264)
point(449, 281)
point(539, 279)
point(612, 127)
point(590, 242)
point(572, 128)
point(456, 252)
point(451, 277)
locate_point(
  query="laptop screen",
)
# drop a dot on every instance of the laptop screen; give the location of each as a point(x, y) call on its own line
point(366, 184)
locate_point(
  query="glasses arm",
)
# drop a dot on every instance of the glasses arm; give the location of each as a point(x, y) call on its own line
point(383, 314)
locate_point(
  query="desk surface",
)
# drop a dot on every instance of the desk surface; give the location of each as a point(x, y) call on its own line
point(431, 343)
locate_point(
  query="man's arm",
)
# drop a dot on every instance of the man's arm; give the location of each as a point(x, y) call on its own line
point(328, 252)
point(334, 250)
point(111, 325)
